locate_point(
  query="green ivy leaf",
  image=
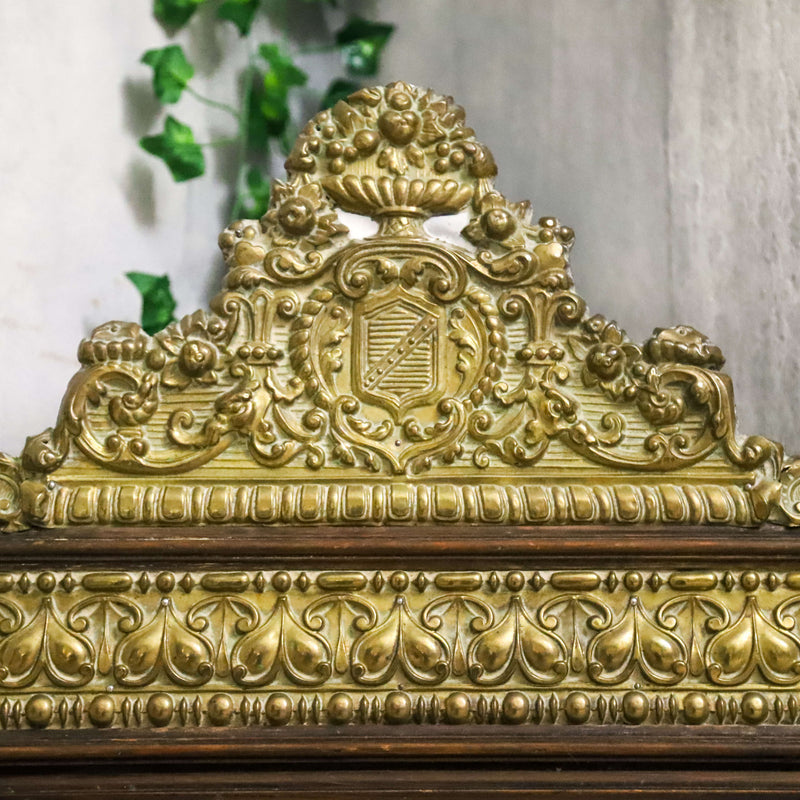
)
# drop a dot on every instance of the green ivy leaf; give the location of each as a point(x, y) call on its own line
point(177, 148)
point(171, 72)
point(257, 133)
point(175, 13)
point(340, 89)
point(258, 191)
point(283, 74)
point(283, 71)
point(158, 304)
point(240, 12)
point(362, 42)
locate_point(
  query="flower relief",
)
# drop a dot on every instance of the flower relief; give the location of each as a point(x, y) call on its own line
point(285, 243)
point(300, 213)
point(189, 351)
point(498, 222)
point(607, 361)
point(683, 345)
point(413, 127)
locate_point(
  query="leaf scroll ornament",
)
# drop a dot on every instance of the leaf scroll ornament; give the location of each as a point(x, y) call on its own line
point(400, 643)
point(693, 615)
point(579, 611)
point(98, 612)
point(465, 615)
point(637, 641)
point(44, 645)
point(165, 645)
point(517, 643)
point(281, 643)
point(753, 641)
point(229, 614)
point(337, 609)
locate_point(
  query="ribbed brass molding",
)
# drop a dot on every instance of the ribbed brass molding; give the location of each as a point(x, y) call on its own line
point(399, 378)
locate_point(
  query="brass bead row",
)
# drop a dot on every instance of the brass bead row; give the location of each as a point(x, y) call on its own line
point(399, 581)
point(398, 707)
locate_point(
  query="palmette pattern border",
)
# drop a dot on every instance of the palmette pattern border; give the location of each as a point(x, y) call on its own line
point(194, 648)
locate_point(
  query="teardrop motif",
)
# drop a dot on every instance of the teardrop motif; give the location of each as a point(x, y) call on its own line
point(636, 641)
point(400, 642)
point(281, 643)
point(517, 642)
point(164, 644)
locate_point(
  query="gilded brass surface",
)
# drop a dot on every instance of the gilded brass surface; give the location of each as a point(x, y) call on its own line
point(140, 649)
point(398, 378)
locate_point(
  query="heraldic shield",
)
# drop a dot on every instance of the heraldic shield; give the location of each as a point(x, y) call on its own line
point(398, 348)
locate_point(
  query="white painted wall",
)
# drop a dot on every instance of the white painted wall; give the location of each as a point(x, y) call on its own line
point(664, 131)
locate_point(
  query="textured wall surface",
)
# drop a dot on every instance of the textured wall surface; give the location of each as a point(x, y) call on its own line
point(664, 131)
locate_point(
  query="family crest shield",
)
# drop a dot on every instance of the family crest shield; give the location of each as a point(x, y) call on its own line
point(398, 349)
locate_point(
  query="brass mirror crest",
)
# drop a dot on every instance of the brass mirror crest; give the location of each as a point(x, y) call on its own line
point(399, 377)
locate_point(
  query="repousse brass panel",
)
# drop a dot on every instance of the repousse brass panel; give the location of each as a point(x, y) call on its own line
point(396, 378)
point(370, 647)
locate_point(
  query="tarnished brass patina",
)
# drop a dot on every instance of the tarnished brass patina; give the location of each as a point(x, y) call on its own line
point(390, 380)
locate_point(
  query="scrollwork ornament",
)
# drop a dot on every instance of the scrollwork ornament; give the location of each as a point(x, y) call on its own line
point(590, 611)
point(223, 614)
point(336, 609)
point(698, 616)
point(789, 493)
point(164, 645)
point(95, 613)
point(44, 645)
point(281, 644)
point(516, 642)
point(400, 643)
point(334, 362)
point(636, 641)
point(466, 615)
point(753, 642)
point(10, 479)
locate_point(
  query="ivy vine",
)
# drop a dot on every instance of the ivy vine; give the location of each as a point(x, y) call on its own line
point(261, 120)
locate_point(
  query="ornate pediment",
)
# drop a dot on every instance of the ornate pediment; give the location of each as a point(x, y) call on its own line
point(397, 377)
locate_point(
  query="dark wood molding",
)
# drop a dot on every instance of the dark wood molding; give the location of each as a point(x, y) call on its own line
point(450, 762)
point(425, 546)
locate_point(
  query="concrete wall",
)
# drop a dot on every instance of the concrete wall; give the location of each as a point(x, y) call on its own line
point(664, 131)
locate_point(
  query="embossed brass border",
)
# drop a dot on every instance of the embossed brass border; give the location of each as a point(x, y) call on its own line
point(160, 639)
point(155, 726)
point(481, 521)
